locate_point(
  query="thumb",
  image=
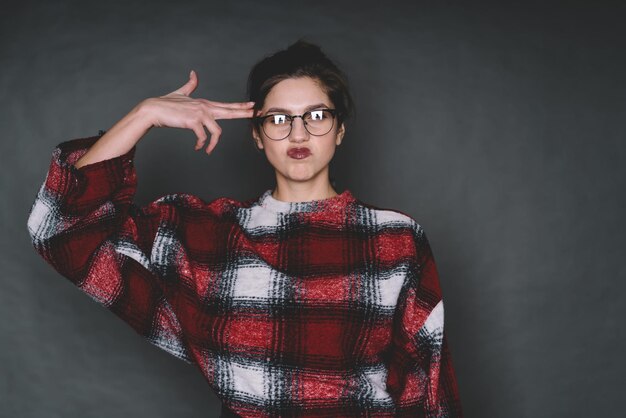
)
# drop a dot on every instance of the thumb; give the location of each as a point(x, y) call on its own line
point(189, 86)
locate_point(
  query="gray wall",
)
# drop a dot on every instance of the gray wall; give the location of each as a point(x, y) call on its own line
point(499, 128)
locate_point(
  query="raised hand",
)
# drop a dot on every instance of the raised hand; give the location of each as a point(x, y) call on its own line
point(178, 110)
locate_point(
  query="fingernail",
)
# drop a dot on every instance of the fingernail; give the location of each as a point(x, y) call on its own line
point(190, 73)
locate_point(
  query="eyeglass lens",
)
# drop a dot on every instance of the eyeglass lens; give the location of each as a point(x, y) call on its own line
point(316, 122)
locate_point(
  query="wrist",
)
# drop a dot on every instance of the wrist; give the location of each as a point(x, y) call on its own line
point(143, 116)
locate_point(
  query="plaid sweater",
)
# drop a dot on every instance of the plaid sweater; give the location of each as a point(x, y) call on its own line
point(330, 308)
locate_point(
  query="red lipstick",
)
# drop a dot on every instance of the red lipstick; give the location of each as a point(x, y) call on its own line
point(299, 153)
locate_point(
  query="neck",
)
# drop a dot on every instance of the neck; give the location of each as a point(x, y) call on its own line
point(303, 192)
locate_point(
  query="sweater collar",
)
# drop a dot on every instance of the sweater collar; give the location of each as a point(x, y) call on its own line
point(335, 203)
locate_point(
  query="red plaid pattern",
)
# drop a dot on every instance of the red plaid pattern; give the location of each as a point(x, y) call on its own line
point(329, 308)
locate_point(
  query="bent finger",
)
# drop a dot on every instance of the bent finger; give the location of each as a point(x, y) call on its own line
point(216, 131)
point(198, 129)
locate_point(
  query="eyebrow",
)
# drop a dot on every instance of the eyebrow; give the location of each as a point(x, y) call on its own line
point(315, 106)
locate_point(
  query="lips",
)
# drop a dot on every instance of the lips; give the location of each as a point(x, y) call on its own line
point(299, 153)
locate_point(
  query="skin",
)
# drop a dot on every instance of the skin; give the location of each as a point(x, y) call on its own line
point(306, 179)
point(296, 180)
point(175, 110)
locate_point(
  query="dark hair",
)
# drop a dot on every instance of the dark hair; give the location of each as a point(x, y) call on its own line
point(301, 59)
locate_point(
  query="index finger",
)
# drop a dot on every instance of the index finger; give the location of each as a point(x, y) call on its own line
point(223, 113)
point(232, 105)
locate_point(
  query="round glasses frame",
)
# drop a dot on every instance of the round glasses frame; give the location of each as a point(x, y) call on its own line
point(261, 119)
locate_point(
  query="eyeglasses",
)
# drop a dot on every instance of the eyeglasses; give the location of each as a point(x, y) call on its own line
point(277, 126)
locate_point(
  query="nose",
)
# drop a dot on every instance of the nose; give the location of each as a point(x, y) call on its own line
point(298, 131)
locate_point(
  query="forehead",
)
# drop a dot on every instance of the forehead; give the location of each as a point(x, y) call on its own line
point(296, 95)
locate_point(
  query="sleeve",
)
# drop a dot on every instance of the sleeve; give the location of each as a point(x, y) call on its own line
point(421, 375)
point(84, 224)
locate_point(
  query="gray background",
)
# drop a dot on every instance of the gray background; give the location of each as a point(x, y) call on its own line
point(499, 127)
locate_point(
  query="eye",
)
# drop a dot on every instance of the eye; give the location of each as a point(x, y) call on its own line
point(317, 115)
point(278, 119)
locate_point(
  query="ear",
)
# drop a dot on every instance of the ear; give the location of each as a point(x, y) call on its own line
point(340, 133)
point(257, 138)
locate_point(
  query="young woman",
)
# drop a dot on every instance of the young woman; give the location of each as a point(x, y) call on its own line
point(301, 302)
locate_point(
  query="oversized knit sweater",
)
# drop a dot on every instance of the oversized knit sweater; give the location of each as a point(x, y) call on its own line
point(327, 308)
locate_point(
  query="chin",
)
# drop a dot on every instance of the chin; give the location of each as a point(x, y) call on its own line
point(302, 173)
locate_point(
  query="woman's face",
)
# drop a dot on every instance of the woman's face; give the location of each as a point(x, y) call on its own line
point(294, 96)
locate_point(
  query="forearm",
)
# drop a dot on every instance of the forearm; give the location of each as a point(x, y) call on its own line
point(118, 140)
